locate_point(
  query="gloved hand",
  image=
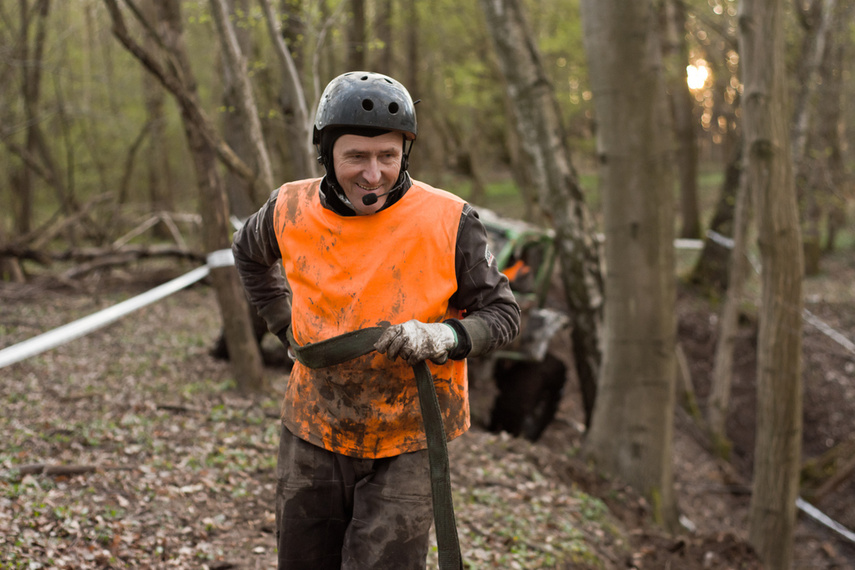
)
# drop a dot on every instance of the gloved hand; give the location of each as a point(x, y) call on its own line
point(415, 341)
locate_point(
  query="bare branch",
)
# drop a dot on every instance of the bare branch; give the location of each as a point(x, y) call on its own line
point(173, 83)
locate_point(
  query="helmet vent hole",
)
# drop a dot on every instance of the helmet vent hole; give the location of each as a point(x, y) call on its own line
point(364, 78)
point(367, 104)
point(393, 108)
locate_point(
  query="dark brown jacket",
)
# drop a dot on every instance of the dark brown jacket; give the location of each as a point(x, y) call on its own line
point(491, 313)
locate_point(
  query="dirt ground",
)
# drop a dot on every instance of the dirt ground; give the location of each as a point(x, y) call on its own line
point(178, 466)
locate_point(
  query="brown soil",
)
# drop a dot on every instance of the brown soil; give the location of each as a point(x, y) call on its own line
point(184, 464)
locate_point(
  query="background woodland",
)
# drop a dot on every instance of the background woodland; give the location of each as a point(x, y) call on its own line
point(136, 130)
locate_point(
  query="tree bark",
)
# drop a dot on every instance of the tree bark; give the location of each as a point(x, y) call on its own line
point(245, 354)
point(236, 62)
point(539, 124)
point(711, 268)
point(817, 36)
point(159, 175)
point(383, 27)
point(357, 45)
point(30, 94)
point(631, 435)
point(728, 327)
point(768, 156)
point(676, 54)
point(305, 164)
point(812, 62)
point(36, 147)
point(412, 49)
point(244, 197)
point(831, 129)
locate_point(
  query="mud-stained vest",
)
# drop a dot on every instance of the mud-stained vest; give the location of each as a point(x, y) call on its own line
point(348, 273)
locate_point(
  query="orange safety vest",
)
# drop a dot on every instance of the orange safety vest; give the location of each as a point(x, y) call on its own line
point(351, 272)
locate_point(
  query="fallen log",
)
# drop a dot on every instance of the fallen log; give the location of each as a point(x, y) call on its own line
point(59, 470)
point(100, 256)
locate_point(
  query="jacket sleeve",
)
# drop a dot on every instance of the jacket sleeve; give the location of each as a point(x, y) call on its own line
point(491, 314)
point(257, 259)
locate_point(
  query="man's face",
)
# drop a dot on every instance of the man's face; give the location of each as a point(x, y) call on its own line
point(367, 165)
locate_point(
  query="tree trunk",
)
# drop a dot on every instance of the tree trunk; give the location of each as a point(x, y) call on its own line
point(728, 327)
point(539, 124)
point(632, 431)
point(29, 93)
point(294, 29)
point(245, 354)
point(412, 49)
point(676, 53)
point(36, 147)
point(243, 198)
point(711, 268)
point(356, 44)
point(159, 178)
point(236, 63)
point(305, 164)
point(805, 110)
point(832, 126)
point(520, 168)
point(383, 61)
point(779, 385)
point(811, 64)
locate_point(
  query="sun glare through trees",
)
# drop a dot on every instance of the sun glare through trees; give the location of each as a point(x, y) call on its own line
point(697, 75)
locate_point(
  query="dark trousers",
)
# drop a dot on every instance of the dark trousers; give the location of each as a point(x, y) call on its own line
point(339, 512)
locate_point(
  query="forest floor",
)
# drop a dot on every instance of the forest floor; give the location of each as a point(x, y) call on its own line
point(178, 467)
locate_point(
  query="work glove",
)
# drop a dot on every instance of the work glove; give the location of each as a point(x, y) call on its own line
point(415, 341)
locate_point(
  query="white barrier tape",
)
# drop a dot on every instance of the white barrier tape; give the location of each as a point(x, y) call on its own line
point(679, 243)
point(821, 517)
point(824, 328)
point(80, 327)
point(237, 223)
point(220, 258)
point(809, 317)
point(683, 243)
point(721, 240)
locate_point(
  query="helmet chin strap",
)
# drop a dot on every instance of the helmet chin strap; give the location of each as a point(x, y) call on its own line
point(403, 180)
point(325, 159)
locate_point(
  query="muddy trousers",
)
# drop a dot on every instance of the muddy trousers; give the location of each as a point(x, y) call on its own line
point(339, 512)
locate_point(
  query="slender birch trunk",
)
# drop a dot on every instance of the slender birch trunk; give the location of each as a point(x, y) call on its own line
point(777, 456)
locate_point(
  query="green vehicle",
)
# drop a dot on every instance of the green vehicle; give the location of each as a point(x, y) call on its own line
point(529, 379)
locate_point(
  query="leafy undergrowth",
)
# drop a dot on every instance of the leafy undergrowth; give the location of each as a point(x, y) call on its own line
point(515, 510)
point(176, 469)
point(179, 469)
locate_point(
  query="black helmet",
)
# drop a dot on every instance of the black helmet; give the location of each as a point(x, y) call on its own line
point(366, 99)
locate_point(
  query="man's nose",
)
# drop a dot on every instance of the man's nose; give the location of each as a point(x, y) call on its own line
point(372, 171)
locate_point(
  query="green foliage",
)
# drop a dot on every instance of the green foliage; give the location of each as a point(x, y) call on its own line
point(93, 93)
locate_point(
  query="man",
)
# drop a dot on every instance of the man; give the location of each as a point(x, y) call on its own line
point(366, 246)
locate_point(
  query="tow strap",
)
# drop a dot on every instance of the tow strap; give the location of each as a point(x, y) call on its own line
point(354, 344)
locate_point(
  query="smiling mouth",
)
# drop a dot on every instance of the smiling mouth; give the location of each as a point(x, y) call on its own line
point(367, 189)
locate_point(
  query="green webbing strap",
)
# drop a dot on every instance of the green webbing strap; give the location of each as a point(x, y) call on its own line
point(358, 343)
